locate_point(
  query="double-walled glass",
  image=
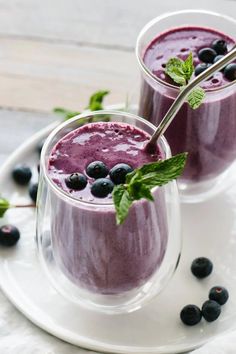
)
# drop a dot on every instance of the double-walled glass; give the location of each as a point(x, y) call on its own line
point(91, 260)
point(207, 133)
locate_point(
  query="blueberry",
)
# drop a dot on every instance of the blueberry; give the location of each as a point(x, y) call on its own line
point(97, 169)
point(119, 172)
point(219, 294)
point(76, 181)
point(102, 187)
point(211, 310)
point(201, 267)
point(230, 72)
point(207, 55)
point(22, 174)
point(220, 46)
point(33, 190)
point(191, 315)
point(217, 58)
point(200, 68)
point(9, 235)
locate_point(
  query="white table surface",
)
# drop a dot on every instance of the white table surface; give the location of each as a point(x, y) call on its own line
point(56, 53)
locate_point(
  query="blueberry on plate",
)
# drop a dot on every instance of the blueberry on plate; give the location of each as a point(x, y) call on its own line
point(219, 294)
point(76, 181)
point(201, 267)
point(220, 46)
point(190, 315)
point(211, 310)
point(97, 169)
point(217, 58)
point(119, 172)
point(33, 190)
point(22, 174)
point(207, 55)
point(102, 187)
point(9, 235)
point(230, 71)
point(200, 68)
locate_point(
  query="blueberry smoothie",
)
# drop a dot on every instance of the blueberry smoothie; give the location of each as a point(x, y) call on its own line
point(207, 133)
point(91, 250)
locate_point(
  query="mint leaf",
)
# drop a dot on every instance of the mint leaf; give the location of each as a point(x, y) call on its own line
point(4, 206)
point(95, 104)
point(122, 202)
point(65, 112)
point(140, 182)
point(174, 69)
point(188, 67)
point(181, 71)
point(96, 100)
point(196, 97)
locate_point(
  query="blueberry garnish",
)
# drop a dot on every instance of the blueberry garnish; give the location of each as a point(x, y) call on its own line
point(217, 58)
point(219, 294)
point(211, 310)
point(102, 187)
point(119, 172)
point(200, 68)
point(76, 181)
point(9, 235)
point(33, 190)
point(22, 174)
point(191, 315)
point(97, 169)
point(220, 46)
point(230, 72)
point(201, 267)
point(207, 55)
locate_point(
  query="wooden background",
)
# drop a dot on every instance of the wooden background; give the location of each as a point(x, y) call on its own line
point(57, 52)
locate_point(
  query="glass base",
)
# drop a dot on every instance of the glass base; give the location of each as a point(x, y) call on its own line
point(197, 192)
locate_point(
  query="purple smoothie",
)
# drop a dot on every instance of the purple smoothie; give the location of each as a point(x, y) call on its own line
point(90, 248)
point(207, 133)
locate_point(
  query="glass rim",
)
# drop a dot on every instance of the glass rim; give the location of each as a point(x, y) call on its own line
point(60, 127)
point(155, 20)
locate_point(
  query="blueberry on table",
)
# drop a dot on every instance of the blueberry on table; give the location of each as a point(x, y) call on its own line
point(33, 190)
point(9, 235)
point(200, 68)
point(102, 187)
point(219, 294)
point(201, 267)
point(76, 181)
point(22, 174)
point(207, 55)
point(230, 72)
point(211, 310)
point(97, 169)
point(190, 315)
point(119, 172)
point(220, 46)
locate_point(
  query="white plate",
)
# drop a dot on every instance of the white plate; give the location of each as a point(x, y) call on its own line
point(209, 229)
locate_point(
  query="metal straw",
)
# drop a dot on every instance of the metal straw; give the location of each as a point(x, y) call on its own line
point(175, 107)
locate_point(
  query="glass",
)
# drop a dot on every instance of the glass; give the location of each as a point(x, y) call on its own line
point(207, 133)
point(88, 258)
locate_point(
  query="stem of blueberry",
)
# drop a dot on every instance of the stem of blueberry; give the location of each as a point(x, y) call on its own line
point(23, 206)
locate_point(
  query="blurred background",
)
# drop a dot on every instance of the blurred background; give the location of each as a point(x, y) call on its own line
point(58, 52)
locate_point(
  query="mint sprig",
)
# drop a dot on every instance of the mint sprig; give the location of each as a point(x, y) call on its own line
point(180, 72)
point(140, 182)
point(4, 206)
point(95, 104)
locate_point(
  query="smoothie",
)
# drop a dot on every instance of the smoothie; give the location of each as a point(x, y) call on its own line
point(91, 250)
point(207, 133)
